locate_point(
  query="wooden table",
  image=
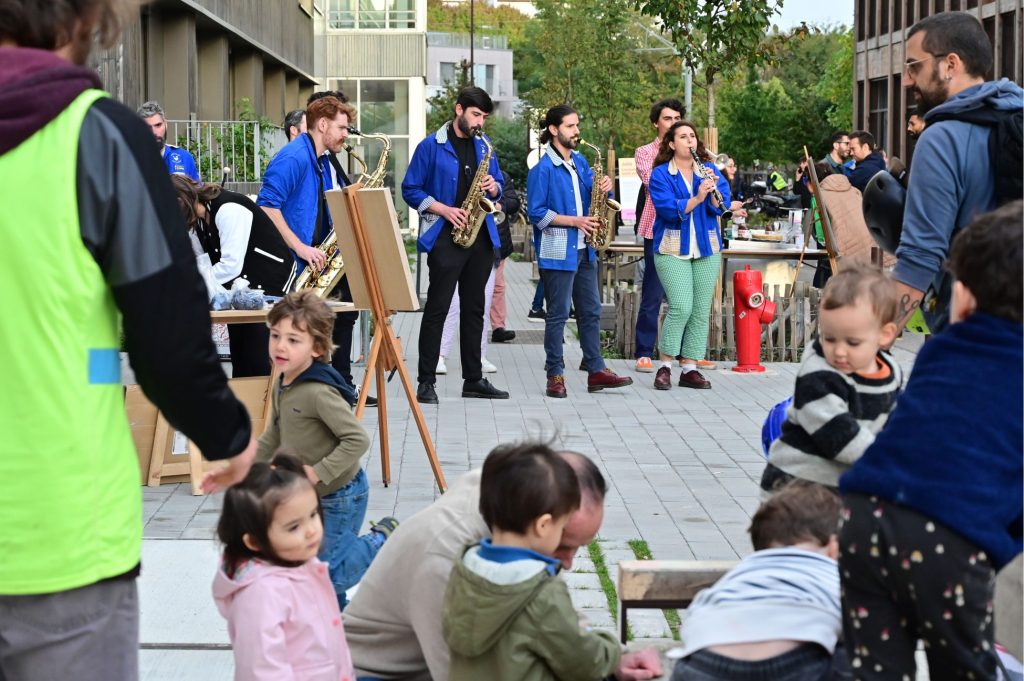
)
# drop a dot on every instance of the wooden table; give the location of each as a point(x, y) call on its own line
point(253, 392)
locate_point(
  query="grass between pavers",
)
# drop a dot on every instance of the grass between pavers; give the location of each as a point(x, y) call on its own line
point(610, 594)
point(643, 552)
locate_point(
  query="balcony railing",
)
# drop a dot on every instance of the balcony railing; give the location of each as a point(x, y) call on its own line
point(371, 19)
point(480, 42)
point(245, 147)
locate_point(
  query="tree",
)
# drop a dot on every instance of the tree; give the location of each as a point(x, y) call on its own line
point(714, 37)
point(441, 107)
point(756, 121)
point(836, 84)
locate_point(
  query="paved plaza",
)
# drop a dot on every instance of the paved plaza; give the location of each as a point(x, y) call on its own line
point(683, 469)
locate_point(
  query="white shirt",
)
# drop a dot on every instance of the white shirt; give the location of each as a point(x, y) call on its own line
point(234, 224)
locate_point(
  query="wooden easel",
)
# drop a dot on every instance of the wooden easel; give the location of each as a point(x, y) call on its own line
point(385, 350)
point(826, 223)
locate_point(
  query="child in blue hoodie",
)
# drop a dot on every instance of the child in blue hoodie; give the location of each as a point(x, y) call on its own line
point(933, 507)
point(312, 417)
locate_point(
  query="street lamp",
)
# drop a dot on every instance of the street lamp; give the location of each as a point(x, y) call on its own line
point(472, 24)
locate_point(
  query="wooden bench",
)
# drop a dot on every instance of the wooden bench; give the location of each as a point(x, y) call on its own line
point(662, 584)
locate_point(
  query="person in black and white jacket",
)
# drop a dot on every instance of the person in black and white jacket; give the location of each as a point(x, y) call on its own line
point(846, 386)
point(241, 242)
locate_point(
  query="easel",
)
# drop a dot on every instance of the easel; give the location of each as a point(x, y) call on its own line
point(826, 223)
point(349, 208)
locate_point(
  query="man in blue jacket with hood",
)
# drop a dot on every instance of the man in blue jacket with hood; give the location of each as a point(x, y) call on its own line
point(869, 161)
point(947, 57)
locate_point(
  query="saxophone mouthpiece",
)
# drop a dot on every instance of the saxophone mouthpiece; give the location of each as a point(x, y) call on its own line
point(354, 131)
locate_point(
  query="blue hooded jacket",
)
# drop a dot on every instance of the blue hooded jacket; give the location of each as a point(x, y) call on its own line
point(950, 184)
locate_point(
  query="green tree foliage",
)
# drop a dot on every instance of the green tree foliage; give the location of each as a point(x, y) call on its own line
point(776, 109)
point(505, 21)
point(441, 107)
point(582, 52)
point(715, 37)
point(509, 138)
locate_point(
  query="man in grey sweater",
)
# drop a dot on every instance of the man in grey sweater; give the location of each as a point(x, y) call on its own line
point(393, 624)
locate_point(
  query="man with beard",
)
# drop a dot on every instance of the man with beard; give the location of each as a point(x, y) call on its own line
point(869, 161)
point(178, 159)
point(118, 272)
point(293, 188)
point(440, 176)
point(558, 191)
point(947, 57)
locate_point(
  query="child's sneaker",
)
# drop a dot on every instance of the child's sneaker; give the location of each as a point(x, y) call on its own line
point(384, 526)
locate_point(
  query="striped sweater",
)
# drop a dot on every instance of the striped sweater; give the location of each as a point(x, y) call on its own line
point(833, 419)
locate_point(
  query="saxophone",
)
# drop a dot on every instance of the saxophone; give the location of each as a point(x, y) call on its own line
point(476, 203)
point(601, 207)
point(323, 281)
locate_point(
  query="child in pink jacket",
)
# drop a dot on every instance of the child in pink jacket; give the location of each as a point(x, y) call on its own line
point(282, 612)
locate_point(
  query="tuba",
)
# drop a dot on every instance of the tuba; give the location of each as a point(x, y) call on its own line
point(323, 281)
point(601, 207)
point(476, 204)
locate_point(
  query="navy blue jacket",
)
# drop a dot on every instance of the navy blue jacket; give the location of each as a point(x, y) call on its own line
point(952, 447)
point(866, 169)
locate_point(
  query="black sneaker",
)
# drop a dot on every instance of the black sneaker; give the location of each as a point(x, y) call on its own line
point(537, 315)
point(425, 394)
point(502, 335)
point(483, 389)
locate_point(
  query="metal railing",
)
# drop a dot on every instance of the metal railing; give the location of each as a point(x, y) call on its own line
point(245, 147)
point(370, 19)
point(480, 41)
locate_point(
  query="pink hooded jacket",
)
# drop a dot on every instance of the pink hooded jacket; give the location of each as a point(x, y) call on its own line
point(284, 623)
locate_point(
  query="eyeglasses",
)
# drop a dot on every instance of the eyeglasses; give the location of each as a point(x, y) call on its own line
point(912, 67)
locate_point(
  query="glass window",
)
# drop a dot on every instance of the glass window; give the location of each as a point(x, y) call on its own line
point(372, 14)
point(1007, 48)
point(990, 29)
point(446, 72)
point(922, 9)
point(878, 111)
point(872, 18)
point(884, 17)
point(898, 117)
point(862, 17)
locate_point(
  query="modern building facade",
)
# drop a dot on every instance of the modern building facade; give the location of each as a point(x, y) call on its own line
point(492, 66)
point(880, 27)
point(200, 58)
point(375, 51)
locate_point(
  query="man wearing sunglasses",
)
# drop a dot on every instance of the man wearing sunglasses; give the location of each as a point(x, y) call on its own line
point(947, 57)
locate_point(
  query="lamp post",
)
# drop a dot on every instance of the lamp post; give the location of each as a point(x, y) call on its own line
point(472, 40)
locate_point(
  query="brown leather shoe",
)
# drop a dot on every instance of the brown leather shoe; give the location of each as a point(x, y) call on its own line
point(556, 386)
point(663, 379)
point(694, 379)
point(606, 378)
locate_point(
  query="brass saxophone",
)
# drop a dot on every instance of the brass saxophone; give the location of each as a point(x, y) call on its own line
point(476, 203)
point(323, 281)
point(601, 207)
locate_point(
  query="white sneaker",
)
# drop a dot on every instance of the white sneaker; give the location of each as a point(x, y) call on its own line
point(441, 368)
point(487, 367)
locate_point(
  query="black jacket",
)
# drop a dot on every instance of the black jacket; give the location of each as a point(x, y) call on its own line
point(866, 169)
point(511, 205)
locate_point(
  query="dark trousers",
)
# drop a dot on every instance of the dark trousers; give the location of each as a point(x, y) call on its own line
point(650, 305)
point(344, 326)
point(469, 268)
point(580, 289)
point(250, 350)
point(806, 663)
point(906, 577)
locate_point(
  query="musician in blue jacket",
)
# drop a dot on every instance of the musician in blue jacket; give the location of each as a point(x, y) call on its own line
point(558, 191)
point(441, 175)
point(687, 242)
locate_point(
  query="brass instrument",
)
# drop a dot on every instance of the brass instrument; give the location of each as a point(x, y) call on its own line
point(601, 207)
point(476, 203)
point(323, 281)
point(701, 171)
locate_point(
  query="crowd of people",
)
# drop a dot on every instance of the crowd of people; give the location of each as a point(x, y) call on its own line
point(889, 504)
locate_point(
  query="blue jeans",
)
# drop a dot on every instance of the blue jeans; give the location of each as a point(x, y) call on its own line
point(538, 296)
point(651, 295)
point(579, 288)
point(346, 553)
point(806, 663)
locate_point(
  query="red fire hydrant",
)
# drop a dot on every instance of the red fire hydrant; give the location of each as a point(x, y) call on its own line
point(752, 310)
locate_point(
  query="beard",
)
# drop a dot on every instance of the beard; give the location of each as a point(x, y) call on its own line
point(929, 99)
point(160, 142)
point(464, 127)
point(568, 142)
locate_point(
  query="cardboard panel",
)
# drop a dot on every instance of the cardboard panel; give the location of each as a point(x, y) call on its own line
point(388, 249)
point(347, 244)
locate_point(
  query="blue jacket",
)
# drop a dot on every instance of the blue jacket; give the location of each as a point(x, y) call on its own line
point(951, 185)
point(669, 193)
point(291, 184)
point(549, 193)
point(952, 447)
point(866, 169)
point(433, 175)
point(179, 160)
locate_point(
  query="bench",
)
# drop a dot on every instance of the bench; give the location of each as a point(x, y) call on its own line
point(663, 584)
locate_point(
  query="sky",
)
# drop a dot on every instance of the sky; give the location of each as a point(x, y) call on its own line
point(814, 12)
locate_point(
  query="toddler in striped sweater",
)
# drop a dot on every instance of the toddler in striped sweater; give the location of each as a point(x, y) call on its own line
point(846, 386)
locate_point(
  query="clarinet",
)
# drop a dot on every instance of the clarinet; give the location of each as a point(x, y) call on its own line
point(704, 174)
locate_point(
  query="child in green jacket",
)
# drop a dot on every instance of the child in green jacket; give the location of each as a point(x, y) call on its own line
point(507, 616)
